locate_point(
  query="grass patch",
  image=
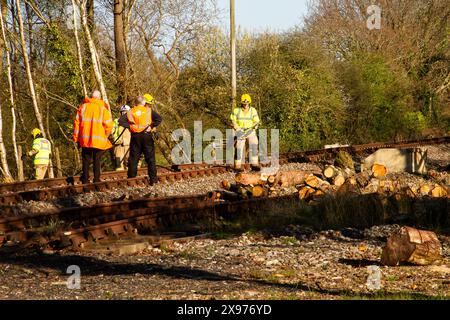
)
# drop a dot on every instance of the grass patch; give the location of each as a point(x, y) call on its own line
point(395, 296)
point(392, 278)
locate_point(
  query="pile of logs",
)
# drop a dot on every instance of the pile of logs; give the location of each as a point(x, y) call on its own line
point(313, 184)
point(248, 185)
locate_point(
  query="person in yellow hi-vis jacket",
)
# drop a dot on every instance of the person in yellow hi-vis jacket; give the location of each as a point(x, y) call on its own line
point(41, 151)
point(245, 120)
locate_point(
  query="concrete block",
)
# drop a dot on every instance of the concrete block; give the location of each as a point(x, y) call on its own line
point(412, 160)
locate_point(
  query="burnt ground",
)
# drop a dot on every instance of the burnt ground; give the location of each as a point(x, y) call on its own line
point(302, 264)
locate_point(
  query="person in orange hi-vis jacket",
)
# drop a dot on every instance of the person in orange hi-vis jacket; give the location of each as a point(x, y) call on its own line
point(92, 127)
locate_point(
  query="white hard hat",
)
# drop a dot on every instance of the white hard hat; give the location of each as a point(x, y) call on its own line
point(125, 108)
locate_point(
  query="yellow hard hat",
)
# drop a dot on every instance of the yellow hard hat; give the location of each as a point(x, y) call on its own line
point(148, 98)
point(35, 132)
point(246, 98)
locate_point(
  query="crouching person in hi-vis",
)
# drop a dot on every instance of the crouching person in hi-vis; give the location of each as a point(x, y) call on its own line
point(245, 120)
point(41, 151)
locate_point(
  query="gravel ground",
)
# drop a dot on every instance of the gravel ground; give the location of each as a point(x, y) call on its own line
point(301, 264)
point(439, 156)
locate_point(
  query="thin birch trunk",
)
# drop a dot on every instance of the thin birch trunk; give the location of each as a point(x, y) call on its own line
point(4, 161)
point(5, 47)
point(94, 55)
point(77, 40)
point(28, 70)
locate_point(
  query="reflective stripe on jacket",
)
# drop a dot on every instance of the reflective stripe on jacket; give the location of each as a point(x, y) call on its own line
point(139, 118)
point(243, 119)
point(42, 146)
point(93, 124)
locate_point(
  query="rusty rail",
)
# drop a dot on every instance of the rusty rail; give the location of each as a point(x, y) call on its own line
point(114, 220)
point(310, 155)
point(315, 155)
point(71, 190)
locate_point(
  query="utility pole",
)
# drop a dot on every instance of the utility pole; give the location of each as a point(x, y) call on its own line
point(233, 51)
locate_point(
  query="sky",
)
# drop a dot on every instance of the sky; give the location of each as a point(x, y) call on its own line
point(263, 15)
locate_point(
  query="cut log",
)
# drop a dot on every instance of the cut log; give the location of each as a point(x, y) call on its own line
point(363, 179)
point(228, 195)
point(271, 180)
point(292, 178)
point(305, 193)
point(424, 190)
point(411, 245)
point(439, 192)
point(378, 170)
point(249, 179)
point(318, 193)
point(259, 191)
point(410, 192)
point(226, 184)
point(245, 191)
point(313, 181)
point(330, 171)
point(339, 180)
point(352, 181)
point(348, 188)
point(284, 178)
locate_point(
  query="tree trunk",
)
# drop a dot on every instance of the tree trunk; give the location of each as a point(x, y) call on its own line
point(15, 62)
point(120, 48)
point(20, 174)
point(77, 41)
point(10, 82)
point(59, 172)
point(90, 15)
point(51, 173)
point(28, 70)
point(92, 49)
point(3, 159)
point(284, 178)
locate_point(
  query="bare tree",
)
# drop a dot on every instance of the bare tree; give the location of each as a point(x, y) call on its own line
point(92, 48)
point(10, 83)
point(120, 49)
point(26, 60)
point(77, 41)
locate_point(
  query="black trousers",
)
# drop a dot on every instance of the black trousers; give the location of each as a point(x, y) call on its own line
point(89, 154)
point(142, 143)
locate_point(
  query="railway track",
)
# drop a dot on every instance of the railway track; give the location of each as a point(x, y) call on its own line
point(75, 180)
point(93, 224)
point(322, 154)
point(78, 226)
point(72, 190)
point(310, 155)
point(49, 189)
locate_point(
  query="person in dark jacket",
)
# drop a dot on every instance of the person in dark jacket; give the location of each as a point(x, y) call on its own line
point(142, 121)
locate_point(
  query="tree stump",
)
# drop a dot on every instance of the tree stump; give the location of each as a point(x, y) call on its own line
point(418, 247)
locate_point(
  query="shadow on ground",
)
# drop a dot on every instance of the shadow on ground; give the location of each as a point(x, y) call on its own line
point(92, 266)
